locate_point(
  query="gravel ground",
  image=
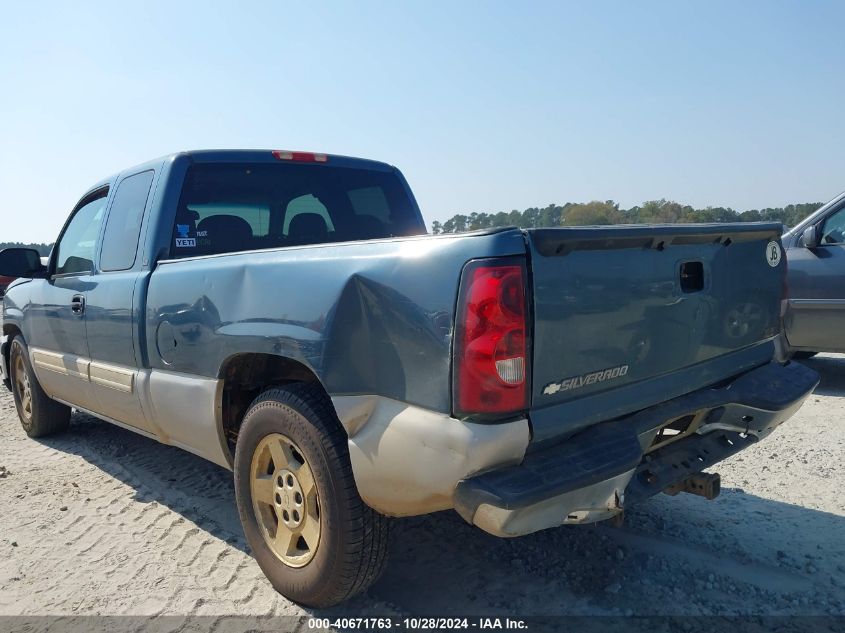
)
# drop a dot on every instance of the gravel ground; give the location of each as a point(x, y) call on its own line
point(99, 520)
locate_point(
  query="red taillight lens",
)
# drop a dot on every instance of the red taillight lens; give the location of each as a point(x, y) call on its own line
point(491, 339)
point(300, 157)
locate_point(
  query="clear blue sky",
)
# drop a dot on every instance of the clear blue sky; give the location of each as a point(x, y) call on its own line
point(485, 106)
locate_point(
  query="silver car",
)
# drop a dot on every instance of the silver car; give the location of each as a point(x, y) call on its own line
point(815, 252)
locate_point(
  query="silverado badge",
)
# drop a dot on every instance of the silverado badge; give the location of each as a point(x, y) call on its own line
point(576, 382)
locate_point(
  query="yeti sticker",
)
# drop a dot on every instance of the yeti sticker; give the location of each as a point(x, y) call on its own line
point(183, 241)
point(773, 253)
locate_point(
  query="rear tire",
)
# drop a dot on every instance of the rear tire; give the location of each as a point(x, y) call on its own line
point(313, 537)
point(39, 414)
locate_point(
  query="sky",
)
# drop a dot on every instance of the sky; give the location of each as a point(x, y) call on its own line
point(484, 106)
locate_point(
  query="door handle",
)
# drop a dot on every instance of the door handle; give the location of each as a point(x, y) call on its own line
point(77, 305)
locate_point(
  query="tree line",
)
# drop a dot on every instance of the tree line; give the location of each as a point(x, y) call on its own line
point(595, 212)
point(43, 249)
point(609, 212)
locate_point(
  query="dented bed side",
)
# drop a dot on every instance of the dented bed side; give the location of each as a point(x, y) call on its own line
point(365, 317)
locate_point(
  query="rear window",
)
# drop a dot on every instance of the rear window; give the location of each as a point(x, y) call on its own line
point(227, 208)
point(306, 204)
point(257, 216)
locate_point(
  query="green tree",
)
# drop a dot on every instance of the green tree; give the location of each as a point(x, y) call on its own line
point(594, 212)
point(552, 215)
point(660, 212)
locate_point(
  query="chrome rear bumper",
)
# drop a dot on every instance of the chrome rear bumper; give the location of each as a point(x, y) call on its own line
point(596, 473)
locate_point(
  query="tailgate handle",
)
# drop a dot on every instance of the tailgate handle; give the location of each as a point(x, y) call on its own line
point(692, 276)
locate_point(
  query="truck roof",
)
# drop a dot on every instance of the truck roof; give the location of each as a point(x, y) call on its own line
point(266, 156)
point(242, 155)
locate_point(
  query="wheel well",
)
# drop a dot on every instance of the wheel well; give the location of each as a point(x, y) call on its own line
point(245, 376)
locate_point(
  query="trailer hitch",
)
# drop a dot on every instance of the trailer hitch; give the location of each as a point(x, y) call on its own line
point(707, 485)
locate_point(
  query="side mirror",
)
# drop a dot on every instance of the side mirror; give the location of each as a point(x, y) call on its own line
point(809, 238)
point(21, 262)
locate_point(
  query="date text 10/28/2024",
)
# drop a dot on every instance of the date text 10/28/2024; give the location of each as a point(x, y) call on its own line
point(418, 623)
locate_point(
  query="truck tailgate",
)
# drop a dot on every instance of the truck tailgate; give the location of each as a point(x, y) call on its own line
point(629, 316)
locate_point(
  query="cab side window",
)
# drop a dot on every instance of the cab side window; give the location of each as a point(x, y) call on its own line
point(833, 229)
point(120, 241)
point(75, 249)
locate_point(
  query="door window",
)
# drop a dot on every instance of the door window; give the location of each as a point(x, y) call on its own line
point(833, 229)
point(75, 249)
point(120, 241)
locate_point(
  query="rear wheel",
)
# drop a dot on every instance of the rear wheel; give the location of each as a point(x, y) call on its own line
point(39, 414)
point(285, 500)
point(315, 539)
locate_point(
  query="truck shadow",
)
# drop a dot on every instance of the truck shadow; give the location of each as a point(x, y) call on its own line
point(831, 368)
point(669, 550)
point(660, 562)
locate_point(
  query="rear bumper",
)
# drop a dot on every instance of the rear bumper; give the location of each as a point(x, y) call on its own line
point(596, 473)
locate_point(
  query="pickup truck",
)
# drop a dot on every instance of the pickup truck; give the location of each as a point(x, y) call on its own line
point(286, 316)
point(815, 250)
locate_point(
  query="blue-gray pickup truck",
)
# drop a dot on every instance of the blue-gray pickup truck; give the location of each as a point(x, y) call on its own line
point(285, 315)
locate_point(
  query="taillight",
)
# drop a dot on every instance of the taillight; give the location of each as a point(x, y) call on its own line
point(300, 157)
point(490, 361)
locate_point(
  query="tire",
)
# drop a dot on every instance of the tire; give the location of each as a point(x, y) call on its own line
point(39, 414)
point(803, 355)
point(350, 549)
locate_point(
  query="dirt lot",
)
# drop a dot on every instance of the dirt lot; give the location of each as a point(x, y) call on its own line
point(101, 521)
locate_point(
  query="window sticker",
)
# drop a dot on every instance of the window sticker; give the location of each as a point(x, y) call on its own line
point(183, 241)
point(773, 253)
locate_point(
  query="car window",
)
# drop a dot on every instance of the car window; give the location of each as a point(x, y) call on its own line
point(257, 216)
point(370, 201)
point(226, 208)
point(75, 249)
point(120, 241)
point(833, 228)
point(306, 204)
